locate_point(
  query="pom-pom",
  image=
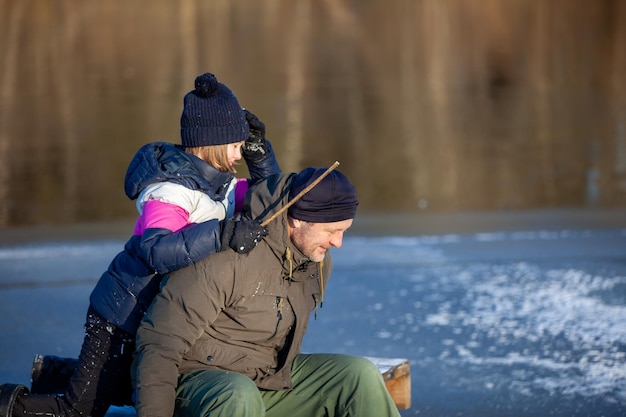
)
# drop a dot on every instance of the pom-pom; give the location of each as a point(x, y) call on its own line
point(206, 85)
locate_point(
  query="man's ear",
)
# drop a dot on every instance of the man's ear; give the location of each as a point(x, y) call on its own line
point(293, 223)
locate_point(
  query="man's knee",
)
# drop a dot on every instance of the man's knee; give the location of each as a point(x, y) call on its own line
point(361, 369)
point(239, 389)
point(218, 393)
point(355, 375)
point(369, 396)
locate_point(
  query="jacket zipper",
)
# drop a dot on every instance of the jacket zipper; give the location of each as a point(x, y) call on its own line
point(280, 301)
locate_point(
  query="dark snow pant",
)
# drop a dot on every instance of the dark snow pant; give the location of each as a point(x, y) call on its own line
point(101, 379)
point(325, 385)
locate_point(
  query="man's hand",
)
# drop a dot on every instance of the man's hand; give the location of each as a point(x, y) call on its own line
point(254, 148)
point(242, 235)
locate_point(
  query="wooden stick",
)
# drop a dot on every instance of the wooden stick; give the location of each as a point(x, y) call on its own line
point(300, 194)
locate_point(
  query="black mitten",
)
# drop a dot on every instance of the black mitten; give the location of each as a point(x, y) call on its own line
point(242, 235)
point(255, 147)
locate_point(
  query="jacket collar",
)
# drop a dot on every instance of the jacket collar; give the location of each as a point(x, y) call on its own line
point(162, 161)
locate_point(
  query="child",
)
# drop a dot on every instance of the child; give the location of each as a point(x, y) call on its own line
point(182, 195)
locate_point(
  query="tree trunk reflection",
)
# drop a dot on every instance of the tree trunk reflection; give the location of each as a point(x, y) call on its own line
point(429, 105)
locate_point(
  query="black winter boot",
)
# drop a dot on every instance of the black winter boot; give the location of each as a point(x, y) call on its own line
point(8, 394)
point(51, 374)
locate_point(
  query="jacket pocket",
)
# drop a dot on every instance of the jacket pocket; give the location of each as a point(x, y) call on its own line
point(212, 354)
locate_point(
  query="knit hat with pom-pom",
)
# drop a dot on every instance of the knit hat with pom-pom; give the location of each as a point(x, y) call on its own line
point(212, 115)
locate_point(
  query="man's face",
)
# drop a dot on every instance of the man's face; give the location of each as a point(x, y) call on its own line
point(315, 239)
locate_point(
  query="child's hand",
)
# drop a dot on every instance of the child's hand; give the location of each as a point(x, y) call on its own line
point(254, 148)
point(242, 235)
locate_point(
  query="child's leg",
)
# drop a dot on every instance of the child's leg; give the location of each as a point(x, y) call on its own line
point(101, 378)
point(51, 374)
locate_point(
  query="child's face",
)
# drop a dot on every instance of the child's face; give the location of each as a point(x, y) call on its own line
point(234, 152)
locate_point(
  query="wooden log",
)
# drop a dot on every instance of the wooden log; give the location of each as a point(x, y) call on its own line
point(397, 376)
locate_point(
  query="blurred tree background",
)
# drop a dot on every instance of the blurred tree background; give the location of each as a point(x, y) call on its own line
point(429, 105)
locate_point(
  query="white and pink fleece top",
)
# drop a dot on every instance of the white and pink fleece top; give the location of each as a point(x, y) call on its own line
point(166, 205)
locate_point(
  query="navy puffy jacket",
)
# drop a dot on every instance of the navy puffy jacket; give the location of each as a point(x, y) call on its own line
point(126, 289)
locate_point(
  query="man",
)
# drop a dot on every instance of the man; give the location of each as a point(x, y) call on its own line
point(223, 337)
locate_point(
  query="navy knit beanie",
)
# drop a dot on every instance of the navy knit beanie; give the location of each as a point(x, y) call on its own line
point(212, 115)
point(332, 200)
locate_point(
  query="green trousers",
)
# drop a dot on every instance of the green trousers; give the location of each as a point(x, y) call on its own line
point(325, 385)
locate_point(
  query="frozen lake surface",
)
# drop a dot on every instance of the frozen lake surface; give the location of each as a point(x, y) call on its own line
point(511, 323)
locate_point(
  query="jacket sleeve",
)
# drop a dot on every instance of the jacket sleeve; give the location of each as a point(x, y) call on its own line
point(187, 302)
point(266, 166)
point(166, 251)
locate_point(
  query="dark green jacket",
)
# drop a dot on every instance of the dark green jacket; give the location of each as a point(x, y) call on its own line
point(243, 313)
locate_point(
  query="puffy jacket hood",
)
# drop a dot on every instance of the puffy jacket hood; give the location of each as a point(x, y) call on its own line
point(162, 161)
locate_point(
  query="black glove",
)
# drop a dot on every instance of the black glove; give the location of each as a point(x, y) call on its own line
point(242, 235)
point(255, 147)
